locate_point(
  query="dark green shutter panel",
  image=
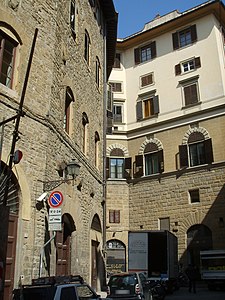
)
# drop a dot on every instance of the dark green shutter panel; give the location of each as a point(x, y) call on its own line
point(139, 160)
point(138, 166)
point(137, 56)
point(128, 167)
point(175, 41)
point(139, 110)
point(183, 156)
point(208, 151)
point(153, 49)
point(107, 167)
point(178, 69)
point(193, 33)
point(161, 161)
point(197, 62)
point(128, 162)
point(109, 125)
point(156, 104)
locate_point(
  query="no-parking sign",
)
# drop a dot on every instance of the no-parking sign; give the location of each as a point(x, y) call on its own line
point(55, 199)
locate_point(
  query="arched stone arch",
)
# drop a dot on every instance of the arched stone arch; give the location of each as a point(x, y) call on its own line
point(147, 141)
point(115, 146)
point(201, 130)
point(9, 29)
point(116, 256)
point(96, 223)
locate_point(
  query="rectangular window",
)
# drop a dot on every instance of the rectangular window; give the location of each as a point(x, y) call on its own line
point(146, 80)
point(151, 164)
point(117, 113)
point(147, 107)
point(187, 66)
point(197, 154)
point(114, 216)
point(194, 196)
point(145, 53)
point(164, 224)
point(117, 61)
point(117, 168)
point(7, 58)
point(116, 87)
point(191, 93)
point(184, 37)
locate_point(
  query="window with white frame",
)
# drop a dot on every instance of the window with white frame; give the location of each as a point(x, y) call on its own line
point(145, 53)
point(117, 60)
point(118, 166)
point(190, 91)
point(197, 151)
point(147, 106)
point(146, 80)
point(116, 87)
point(118, 113)
point(184, 37)
point(7, 59)
point(188, 66)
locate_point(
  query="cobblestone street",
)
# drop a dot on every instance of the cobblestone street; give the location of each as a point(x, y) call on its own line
point(202, 294)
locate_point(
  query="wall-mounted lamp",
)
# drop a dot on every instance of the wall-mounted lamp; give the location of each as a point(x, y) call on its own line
point(73, 168)
point(69, 171)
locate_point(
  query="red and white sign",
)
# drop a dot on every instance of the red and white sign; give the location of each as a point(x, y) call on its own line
point(55, 199)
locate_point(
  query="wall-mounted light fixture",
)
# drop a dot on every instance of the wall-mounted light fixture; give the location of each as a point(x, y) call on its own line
point(69, 171)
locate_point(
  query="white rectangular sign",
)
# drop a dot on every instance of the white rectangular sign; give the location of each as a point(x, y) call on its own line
point(55, 226)
point(55, 219)
point(55, 212)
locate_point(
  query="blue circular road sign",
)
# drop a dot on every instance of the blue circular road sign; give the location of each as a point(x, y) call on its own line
point(55, 199)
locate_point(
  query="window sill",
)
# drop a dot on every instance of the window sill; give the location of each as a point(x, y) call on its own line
point(191, 105)
point(148, 118)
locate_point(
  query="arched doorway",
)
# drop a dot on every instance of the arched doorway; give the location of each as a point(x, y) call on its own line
point(116, 257)
point(199, 237)
point(63, 246)
point(8, 227)
point(96, 257)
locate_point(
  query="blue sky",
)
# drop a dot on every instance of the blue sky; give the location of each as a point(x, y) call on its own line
point(133, 14)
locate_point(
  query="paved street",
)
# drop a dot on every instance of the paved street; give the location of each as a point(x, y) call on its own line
point(202, 294)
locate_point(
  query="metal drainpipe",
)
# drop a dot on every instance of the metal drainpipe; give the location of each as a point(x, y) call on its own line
point(104, 142)
point(42, 253)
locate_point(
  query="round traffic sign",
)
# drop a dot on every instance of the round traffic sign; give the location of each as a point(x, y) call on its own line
point(55, 199)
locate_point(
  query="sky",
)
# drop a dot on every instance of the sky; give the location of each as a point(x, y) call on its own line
point(134, 14)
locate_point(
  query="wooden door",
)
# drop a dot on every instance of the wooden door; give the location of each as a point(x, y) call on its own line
point(62, 253)
point(10, 256)
point(94, 264)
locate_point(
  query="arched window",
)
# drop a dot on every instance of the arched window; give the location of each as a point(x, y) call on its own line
point(85, 122)
point(117, 165)
point(116, 257)
point(8, 47)
point(87, 47)
point(199, 237)
point(97, 140)
point(150, 162)
point(197, 151)
point(67, 109)
point(97, 71)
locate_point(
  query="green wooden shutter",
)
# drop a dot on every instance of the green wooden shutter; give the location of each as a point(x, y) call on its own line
point(175, 41)
point(208, 151)
point(139, 113)
point(183, 156)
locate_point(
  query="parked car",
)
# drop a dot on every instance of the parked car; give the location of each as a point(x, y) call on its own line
point(128, 286)
point(56, 288)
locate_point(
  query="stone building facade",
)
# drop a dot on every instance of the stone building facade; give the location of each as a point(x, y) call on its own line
point(63, 120)
point(166, 159)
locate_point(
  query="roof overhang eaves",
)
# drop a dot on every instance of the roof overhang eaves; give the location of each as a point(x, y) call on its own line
point(214, 7)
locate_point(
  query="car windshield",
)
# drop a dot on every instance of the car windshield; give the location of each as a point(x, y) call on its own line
point(37, 293)
point(123, 280)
